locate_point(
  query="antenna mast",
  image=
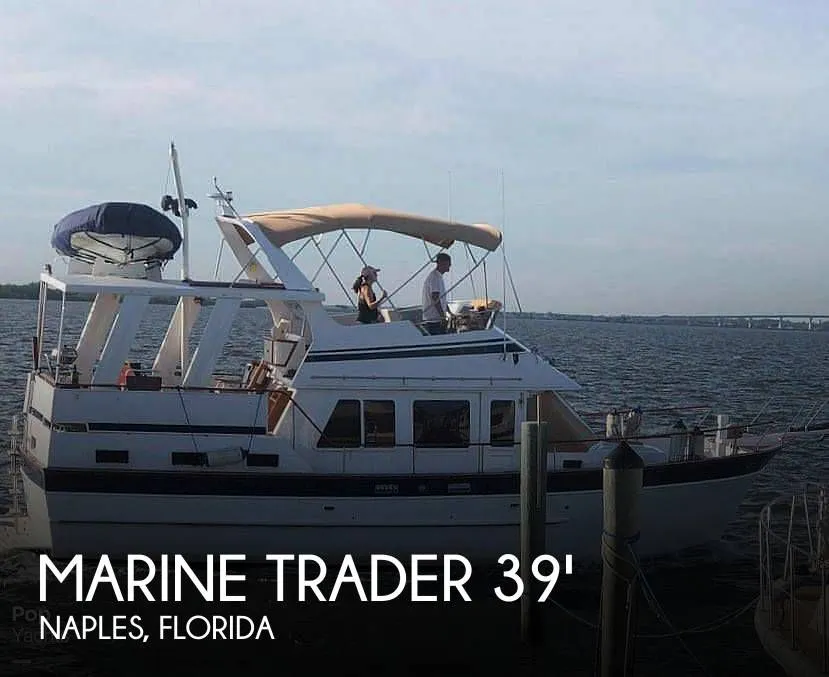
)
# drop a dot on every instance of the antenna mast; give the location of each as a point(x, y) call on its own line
point(449, 197)
point(504, 260)
point(184, 211)
point(181, 208)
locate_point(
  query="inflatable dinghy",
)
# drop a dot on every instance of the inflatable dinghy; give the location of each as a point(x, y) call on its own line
point(118, 233)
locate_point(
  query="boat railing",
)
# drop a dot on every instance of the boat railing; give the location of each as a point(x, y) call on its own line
point(222, 384)
point(466, 316)
point(794, 562)
point(687, 433)
point(17, 436)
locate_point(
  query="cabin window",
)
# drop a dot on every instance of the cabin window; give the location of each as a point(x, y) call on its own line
point(188, 458)
point(378, 423)
point(262, 460)
point(441, 423)
point(112, 456)
point(343, 428)
point(502, 423)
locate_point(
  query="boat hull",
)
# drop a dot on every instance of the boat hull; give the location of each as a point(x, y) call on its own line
point(87, 519)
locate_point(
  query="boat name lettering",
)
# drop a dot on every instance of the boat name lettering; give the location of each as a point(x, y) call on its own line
point(126, 585)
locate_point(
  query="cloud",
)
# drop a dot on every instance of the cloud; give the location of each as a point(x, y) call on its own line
point(638, 139)
point(632, 77)
point(122, 74)
point(97, 87)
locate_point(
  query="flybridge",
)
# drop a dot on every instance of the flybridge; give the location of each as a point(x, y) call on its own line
point(268, 274)
point(120, 304)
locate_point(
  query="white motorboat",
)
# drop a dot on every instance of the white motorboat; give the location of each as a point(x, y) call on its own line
point(337, 437)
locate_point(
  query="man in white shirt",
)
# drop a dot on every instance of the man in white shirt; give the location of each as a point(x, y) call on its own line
point(434, 296)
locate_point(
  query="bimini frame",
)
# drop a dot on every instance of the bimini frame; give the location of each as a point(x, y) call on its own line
point(287, 226)
point(284, 227)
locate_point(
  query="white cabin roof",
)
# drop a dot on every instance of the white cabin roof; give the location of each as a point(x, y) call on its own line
point(282, 227)
point(111, 284)
point(397, 355)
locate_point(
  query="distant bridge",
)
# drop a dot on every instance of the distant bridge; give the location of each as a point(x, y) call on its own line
point(810, 320)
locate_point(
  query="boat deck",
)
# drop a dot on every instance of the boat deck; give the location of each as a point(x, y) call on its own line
point(792, 615)
point(790, 630)
point(111, 284)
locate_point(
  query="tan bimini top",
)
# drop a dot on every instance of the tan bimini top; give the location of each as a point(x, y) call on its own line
point(282, 227)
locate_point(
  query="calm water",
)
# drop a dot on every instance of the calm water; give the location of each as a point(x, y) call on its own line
point(734, 370)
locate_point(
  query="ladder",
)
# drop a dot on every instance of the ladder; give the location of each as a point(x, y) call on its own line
point(17, 436)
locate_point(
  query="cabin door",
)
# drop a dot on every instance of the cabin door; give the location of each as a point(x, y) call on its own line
point(446, 432)
point(501, 430)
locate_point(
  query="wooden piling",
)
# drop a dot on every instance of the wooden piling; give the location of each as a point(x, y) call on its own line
point(533, 525)
point(622, 483)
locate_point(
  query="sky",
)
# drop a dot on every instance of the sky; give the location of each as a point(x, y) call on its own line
point(641, 157)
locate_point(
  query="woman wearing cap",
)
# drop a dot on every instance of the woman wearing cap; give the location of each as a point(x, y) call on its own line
point(367, 312)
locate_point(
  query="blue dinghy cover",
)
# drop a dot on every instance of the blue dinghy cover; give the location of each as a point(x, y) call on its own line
point(126, 219)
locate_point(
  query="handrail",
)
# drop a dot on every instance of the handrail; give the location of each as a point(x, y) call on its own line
point(800, 563)
point(16, 434)
point(598, 437)
point(162, 388)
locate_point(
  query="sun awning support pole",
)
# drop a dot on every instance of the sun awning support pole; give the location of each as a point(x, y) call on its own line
point(325, 263)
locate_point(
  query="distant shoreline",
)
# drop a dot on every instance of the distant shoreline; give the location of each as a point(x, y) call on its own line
point(30, 292)
point(722, 322)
